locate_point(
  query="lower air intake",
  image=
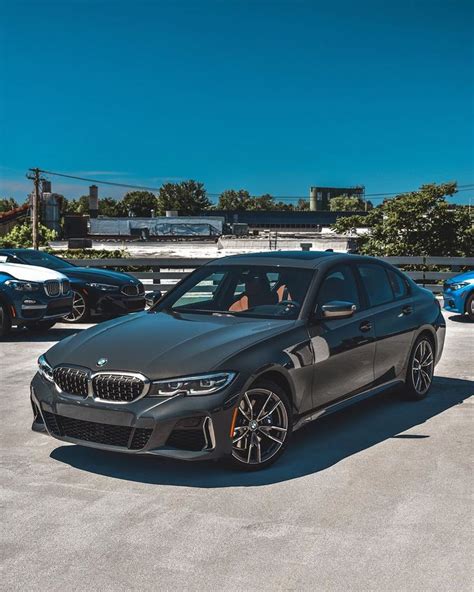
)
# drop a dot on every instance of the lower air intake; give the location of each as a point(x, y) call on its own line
point(100, 433)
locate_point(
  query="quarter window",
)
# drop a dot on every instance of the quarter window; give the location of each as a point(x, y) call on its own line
point(376, 284)
point(398, 283)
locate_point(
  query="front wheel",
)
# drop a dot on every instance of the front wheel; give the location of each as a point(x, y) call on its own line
point(80, 312)
point(5, 321)
point(262, 427)
point(420, 369)
point(470, 307)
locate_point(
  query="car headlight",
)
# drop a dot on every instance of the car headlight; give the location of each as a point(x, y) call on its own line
point(45, 369)
point(103, 287)
point(206, 384)
point(458, 286)
point(22, 286)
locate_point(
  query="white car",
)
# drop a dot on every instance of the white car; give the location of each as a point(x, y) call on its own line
point(31, 296)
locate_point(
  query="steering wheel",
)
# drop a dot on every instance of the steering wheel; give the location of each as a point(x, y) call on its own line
point(291, 305)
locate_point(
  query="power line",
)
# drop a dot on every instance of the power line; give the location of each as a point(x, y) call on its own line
point(99, 182)
point(373, 196)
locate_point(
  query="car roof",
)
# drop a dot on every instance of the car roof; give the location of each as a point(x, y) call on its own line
point(303, 259)
point(298, 259)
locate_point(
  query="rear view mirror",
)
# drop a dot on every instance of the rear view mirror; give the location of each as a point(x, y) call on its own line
point(152, 298)
point(338, 309)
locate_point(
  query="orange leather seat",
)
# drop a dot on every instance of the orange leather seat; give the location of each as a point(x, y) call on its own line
point(283, 293)
point(240, 305)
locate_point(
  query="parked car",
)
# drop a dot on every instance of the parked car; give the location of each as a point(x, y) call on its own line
point(241, 353)
point(96, 292)
point(458, 294)
point(32, 297)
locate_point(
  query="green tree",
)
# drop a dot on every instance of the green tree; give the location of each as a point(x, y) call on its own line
point(76, 206)
point(20, 236)
point(302, 205)
point(188, 198)
point(138, 203)
point(418, 223)
point(234, 200)
point(263, 203)
point(287, 207)
point(108, 206)
point(7, 204)
point(346, 203)
point(241, 200)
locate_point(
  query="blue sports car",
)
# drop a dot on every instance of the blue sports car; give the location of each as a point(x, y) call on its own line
point(458, 293)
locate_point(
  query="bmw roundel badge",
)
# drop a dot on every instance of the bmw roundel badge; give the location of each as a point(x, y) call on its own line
point(102, 362)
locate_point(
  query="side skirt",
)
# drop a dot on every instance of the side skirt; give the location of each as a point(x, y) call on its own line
point(351, 400)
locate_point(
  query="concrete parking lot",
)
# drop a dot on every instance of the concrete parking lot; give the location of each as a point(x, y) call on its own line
point(377, 497)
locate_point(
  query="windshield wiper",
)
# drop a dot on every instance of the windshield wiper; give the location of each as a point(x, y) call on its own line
point(193, 310)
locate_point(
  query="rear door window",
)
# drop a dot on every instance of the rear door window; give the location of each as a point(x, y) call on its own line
point(376, 283)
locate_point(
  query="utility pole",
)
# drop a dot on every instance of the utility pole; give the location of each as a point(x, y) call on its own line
point(35, 177)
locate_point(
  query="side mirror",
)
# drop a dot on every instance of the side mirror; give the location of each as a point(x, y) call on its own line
point(338, 309)
point(152, 298)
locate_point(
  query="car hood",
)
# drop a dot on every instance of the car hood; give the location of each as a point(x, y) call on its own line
point(106, 276)
point(468, 276)
point(30, 273)
point(164, 345)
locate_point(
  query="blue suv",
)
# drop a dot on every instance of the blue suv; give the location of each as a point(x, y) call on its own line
point(458, 293)
point(32, 297)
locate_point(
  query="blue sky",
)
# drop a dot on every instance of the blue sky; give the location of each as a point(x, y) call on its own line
point(271, 96)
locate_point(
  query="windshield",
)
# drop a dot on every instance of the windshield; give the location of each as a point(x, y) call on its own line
point(43, 260)
point(255, 291)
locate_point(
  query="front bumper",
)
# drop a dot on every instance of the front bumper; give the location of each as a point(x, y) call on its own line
point(34, 308)
point(180, 427)
point(453, 302)
point(114, 303)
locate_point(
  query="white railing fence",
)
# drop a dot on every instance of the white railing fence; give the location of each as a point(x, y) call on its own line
point(160, 273)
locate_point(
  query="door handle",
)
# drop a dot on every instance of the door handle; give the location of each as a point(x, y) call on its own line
point(406, 310)
point(365, 326)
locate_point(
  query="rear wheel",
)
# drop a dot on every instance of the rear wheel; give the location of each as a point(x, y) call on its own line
point(263, 426)
point(39, 325)
point(5, 320)
point(80, 312)
point(420, 369)
point(470, 306)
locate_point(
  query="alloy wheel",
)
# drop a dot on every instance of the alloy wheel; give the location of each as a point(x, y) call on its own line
point(79, 308)
point(422, 367)
point(261, 427)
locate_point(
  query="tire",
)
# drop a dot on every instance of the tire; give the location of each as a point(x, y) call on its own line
point(258, 443)
point(470, 306)
point(39, 326)
point(80, 309)
point(420, 369)
point(5, 320)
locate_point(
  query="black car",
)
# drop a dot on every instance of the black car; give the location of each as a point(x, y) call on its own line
point(241, 353)
point(96, 292)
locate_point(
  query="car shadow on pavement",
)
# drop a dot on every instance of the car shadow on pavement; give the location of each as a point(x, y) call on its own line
point(315, 447)
point(460, 319)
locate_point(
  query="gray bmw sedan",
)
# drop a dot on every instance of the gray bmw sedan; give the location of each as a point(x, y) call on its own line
point(241, 353)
